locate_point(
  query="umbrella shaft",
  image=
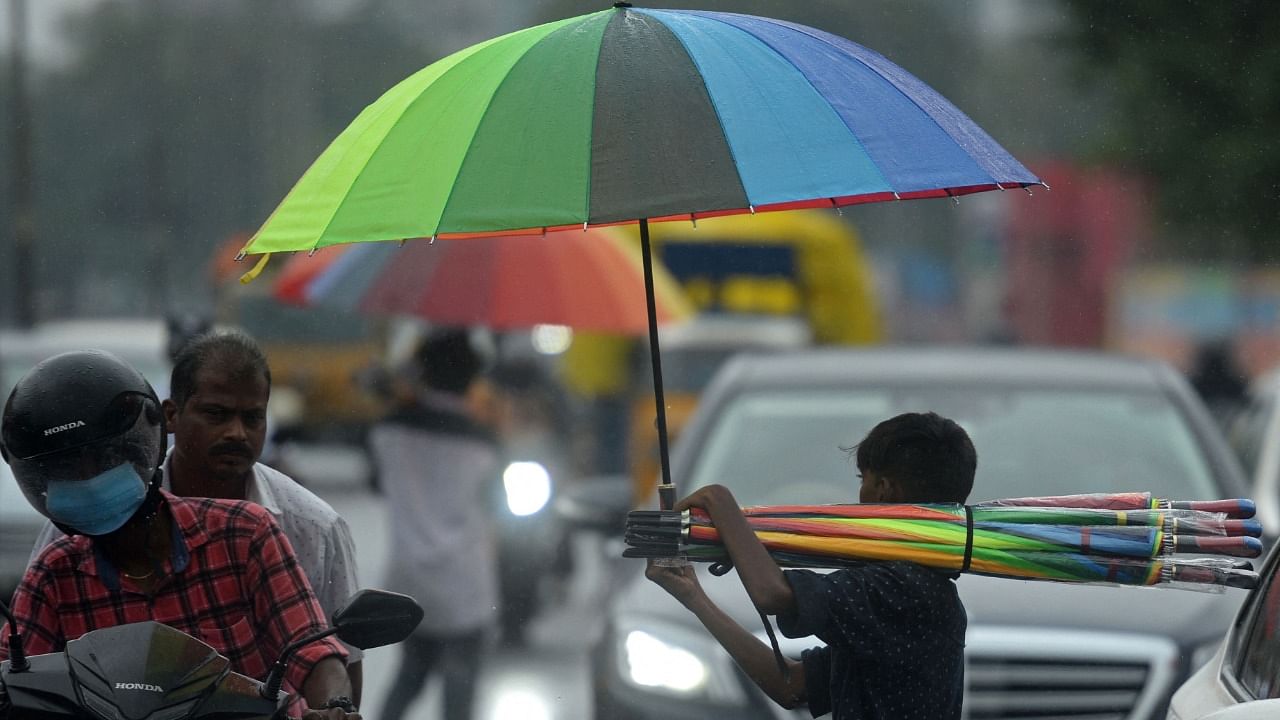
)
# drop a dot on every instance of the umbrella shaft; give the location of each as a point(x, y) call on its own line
point(667, 491)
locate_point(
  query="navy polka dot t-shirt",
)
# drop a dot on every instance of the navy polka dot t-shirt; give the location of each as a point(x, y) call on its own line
point(895, 641)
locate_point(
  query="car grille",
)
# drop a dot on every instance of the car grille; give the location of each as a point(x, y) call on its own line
point(1016, 673)
point(1001, 688)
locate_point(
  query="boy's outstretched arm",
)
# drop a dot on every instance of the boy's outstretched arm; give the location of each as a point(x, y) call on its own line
point(760, 575)
point(754, 657)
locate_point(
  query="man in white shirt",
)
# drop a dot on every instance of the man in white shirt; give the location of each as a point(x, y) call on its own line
point(216, 411)
point(437, 466)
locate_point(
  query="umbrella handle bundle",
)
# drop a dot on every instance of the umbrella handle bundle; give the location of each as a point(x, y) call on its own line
point(1126, 539)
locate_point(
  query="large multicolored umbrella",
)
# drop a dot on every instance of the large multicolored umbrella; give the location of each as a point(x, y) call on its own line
point(1023, 538)
point(635, 115)
point(587, 281)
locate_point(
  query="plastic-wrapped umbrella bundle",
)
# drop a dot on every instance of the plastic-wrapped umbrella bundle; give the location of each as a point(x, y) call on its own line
point(1122, 538)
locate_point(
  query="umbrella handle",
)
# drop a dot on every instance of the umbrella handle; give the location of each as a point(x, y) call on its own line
point(1239, 508)
point(667, 490)
point(666, 496)
point(1248, 547)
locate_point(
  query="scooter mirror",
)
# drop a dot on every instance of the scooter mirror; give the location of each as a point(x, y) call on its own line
point(373, 618)
point(17, 657)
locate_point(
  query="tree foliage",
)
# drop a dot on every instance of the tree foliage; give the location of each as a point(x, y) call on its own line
point(1197, 92)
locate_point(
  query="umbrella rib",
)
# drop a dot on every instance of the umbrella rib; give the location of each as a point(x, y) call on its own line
point(476, 50)
point(590, 138)
point(342, 203)
point(805, 31)
point(369, 158)
point(856, 140)
point(444, 208)
point(737, 170)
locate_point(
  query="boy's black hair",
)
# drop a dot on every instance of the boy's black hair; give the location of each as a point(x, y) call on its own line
point(448, 361)
point(235, 350)
point(929, 458)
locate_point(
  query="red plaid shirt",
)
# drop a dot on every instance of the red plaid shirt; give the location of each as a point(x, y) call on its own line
point(232, 581)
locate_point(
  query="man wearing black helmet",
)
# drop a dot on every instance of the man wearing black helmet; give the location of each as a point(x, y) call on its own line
point(83, 435)
point(217, 414)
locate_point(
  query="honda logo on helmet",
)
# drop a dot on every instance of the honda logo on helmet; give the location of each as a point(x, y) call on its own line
point(65, 426)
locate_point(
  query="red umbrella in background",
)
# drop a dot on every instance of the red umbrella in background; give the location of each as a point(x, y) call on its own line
point(585, 280)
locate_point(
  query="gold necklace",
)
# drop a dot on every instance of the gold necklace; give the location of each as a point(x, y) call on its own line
point(139, 577)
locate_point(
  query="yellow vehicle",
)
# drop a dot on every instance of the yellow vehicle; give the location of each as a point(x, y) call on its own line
point(315, 354)
point(760, 282)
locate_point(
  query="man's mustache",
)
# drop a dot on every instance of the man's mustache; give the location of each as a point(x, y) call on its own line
point(239, 449)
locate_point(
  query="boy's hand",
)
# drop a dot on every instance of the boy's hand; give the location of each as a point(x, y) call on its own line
point(708, 498)
point(681, 582)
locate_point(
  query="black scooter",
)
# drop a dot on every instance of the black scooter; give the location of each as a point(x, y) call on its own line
point(150, 671)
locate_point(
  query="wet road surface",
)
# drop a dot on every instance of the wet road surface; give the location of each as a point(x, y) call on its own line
point(545, 681)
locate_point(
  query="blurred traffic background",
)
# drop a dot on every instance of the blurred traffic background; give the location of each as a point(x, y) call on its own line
point(145, 140)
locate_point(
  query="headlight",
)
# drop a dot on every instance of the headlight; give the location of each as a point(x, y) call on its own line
point(674, 660)
point(528, 486)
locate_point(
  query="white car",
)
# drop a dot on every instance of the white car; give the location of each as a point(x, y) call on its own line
point(1242, 680)
point(1045, 423)
point(1255, 436)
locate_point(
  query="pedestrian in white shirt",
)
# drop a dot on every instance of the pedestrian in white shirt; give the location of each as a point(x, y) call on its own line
point(438, 466)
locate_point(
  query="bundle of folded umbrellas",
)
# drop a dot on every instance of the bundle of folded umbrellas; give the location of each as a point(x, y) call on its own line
point(1118, 538)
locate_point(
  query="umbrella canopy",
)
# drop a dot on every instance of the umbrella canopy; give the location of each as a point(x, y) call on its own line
point(587, 280)
point(633, 114)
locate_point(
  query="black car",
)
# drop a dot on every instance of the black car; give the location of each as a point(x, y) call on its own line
point(1044, 423)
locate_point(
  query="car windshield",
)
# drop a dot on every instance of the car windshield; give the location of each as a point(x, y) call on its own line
point(784, 446)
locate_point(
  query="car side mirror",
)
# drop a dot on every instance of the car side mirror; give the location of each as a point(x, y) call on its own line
point(596, 503)
point(374, 618)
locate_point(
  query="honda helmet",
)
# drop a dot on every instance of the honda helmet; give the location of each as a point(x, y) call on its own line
point(77, 415)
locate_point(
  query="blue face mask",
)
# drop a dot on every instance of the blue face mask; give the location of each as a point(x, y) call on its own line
point(99, 505)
